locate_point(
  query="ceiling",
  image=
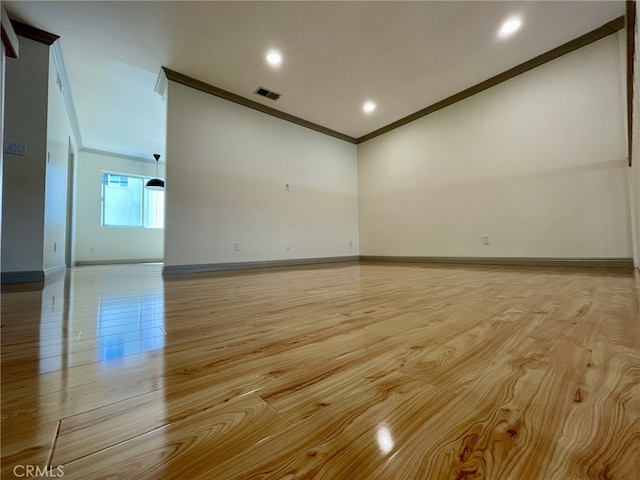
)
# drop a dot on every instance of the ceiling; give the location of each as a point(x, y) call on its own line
point(404, 56)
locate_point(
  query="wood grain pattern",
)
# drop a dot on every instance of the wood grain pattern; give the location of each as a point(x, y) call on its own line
point(358, 371)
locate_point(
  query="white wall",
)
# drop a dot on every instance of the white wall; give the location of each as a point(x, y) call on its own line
point(25, 121)
point(227, 167)
point(537, 163)
point(98, 244)
point(59, 132)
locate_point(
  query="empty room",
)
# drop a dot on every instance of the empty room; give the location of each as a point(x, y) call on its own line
point(320, 240)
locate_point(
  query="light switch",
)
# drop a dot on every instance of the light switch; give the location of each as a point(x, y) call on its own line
point(13, 148)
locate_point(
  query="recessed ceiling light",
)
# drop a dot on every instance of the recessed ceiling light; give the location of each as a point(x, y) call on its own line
point(369, 107)
point(274, 58)
point(509, 27)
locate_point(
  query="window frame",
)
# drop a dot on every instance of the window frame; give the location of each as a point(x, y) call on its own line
point(143, 202)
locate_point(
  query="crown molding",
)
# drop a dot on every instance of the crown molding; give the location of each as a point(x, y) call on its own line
point(167, 74)
point(33, 33)
point(605, 30)
point(232, 97)
point(582, 41)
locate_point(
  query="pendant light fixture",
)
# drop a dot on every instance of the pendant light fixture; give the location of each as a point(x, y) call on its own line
point(156, 183)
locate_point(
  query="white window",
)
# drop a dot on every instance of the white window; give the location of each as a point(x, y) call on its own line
point(126, 203)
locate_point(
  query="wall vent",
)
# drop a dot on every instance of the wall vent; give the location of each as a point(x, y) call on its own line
point(267, 93)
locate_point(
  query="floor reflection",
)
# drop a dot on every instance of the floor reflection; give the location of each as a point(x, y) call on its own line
point(72, 348)
point(54, 328)
point(384, 438)
point(129, 324)
point(96, 314)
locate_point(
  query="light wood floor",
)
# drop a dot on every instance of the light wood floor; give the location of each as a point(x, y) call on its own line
point(371, 371)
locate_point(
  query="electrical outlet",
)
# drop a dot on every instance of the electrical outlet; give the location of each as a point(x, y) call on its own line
point(287, 245)
point(350, 243)
point(236, 246)
point(486, 240)
point(92, 250)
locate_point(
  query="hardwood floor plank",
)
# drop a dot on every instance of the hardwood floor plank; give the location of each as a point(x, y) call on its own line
point(600, 435)
point(26, 443)
point(183, 448)
point(89, 432)
point(305, 450)
point(520, 408)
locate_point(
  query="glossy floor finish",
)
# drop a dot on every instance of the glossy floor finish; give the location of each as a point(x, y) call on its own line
point(344, 371)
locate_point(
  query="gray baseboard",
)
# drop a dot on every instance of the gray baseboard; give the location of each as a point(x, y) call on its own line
point(30, 276)
point(80, 263)
point(27, 276)
point(221, 267)
point(41, 276)
point(515, 261)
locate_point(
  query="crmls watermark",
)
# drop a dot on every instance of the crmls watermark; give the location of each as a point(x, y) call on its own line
point(36, 471)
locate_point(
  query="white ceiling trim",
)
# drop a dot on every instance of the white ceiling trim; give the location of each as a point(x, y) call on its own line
point(162, 84)
point(61, 69)
point(119, 155)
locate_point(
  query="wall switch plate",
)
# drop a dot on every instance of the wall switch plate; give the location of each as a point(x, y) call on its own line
point(236, 246)
point(286, 187)
point(485, 240)
point(13, 148)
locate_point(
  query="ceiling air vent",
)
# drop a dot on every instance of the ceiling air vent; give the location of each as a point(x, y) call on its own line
point(267, 93)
